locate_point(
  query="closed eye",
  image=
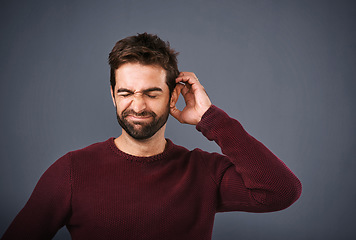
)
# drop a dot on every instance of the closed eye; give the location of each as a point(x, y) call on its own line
point(153, 92)
point(151, 95)
point(124, 94)
point(150, 92)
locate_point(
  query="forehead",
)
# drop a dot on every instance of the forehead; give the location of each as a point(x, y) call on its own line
point(139, 77)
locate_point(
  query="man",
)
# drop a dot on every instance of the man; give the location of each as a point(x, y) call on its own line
point(141, 185)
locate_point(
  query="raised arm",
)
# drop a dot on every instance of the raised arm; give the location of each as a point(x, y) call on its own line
point(257, 180)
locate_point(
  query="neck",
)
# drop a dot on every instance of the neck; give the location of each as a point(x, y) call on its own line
point(142, 148)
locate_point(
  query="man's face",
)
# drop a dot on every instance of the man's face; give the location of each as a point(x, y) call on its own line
point(141, 97)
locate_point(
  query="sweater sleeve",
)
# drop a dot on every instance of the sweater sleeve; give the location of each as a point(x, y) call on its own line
point(256, 181)
point(48, 208)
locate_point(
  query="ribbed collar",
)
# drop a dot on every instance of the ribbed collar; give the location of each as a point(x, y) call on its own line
point(164, 155)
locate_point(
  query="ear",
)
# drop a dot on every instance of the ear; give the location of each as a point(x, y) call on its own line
point(175, 96)
point(112, 96)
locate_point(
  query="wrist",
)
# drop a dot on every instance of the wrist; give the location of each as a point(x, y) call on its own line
point(204, 112)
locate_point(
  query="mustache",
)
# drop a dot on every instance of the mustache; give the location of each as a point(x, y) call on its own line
point(141, 114)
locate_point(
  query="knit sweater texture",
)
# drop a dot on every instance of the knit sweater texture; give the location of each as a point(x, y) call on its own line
point(100, 192)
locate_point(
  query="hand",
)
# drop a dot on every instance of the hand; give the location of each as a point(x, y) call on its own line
point(196, 99)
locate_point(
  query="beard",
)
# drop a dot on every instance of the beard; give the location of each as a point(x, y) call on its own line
point(142, 130)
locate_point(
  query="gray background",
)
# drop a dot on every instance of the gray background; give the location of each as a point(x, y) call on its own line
point(284, 69)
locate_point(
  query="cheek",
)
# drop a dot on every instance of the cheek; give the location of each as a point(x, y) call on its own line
point(159, 107)
point(121, 105)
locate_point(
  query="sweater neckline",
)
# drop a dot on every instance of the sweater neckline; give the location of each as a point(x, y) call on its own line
point(154, 158)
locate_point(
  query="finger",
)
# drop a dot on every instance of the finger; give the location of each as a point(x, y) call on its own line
point(185, 89)
point(179, 87)
point(175, 112)
point(190, 83)
point(187, 74)
point(187, 80)
point(184, 77)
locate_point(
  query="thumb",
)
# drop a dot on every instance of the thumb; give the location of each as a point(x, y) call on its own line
point(175, 112)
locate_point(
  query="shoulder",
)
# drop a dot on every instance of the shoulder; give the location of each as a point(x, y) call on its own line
point(211, 159)
point(199, 155)
point(212, 164)
point(92, 150)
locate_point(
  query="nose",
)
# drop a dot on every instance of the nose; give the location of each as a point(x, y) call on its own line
point(138, 103)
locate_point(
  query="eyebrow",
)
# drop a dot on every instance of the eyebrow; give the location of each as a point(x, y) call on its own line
point(153, 89)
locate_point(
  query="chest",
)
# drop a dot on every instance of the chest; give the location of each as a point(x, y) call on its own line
point(136, 197)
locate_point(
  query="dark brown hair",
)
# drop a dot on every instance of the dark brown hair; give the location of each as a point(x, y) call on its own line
point(146, 49)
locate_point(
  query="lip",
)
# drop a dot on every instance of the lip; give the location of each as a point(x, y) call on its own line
point(138, 118)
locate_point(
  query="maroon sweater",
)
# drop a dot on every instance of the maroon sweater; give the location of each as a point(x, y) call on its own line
point(100, 192)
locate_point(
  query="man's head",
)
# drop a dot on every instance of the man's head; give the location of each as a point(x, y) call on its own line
point(143, 77)
point(145, 49)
